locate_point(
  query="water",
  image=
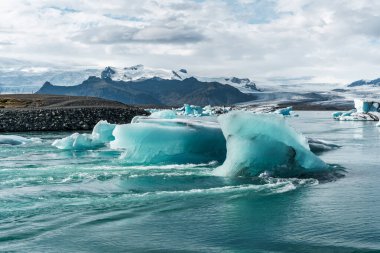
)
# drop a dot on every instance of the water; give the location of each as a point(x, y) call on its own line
point(89, 201)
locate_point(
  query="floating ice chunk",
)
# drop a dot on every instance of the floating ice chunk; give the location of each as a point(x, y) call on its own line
point(357, 116)
point(76, 141)
point(102, 131)
point(101, 134)
point(336, 115)
point(164, 114)
point(365, 106)
point(317, 146)
point(193, 110)
point(156, 141)
point(15, 140)
point(264, 142)
point(365, 110)
point(284, 111)
point(208, 111)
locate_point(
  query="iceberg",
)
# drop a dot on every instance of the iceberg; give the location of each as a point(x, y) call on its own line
point(243, 142)
point(164, 114)
point(76, 141)
point(160, 141)
point(284, 111)
point(365, 110)
point(365, 106)
point(101, 134)
point(258, 143)
point(193, 110)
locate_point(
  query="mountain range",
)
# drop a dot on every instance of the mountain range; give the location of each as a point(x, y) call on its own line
point(122, 84)
point(153, 91)
point(26, 77)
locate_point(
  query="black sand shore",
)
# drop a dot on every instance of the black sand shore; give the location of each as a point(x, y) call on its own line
point(32, 112)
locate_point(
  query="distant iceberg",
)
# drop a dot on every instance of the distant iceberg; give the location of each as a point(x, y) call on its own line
point(365, 110)
point(287, 111)
point(198, 111)
point(164, 114)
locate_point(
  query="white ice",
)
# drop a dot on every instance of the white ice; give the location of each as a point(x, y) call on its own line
point(365, 110)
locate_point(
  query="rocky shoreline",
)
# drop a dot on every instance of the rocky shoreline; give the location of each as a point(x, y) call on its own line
point(63, 119)
point(24, 113)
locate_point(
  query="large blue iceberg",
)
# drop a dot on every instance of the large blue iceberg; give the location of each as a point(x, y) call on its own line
point(258, 143)
point(154, 141)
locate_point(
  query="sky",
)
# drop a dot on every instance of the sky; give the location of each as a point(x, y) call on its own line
point(334, 41)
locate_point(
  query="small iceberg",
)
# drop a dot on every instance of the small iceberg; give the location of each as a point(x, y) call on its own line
point(287, 111)
point(365, 110)
point(101, 134)
point(164, 114)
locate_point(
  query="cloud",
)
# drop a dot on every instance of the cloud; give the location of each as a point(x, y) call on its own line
point(325, 40)
point(150, 34)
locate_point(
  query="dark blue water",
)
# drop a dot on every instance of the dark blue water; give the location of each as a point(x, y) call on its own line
point(90, 201)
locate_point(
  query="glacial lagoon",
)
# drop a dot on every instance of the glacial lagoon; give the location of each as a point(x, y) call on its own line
point(55, 200)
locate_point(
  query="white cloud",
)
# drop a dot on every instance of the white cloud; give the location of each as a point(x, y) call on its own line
point(338, 41)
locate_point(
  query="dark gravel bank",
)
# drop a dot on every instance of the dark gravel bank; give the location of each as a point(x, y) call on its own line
point(63, 119)
point(60, 113)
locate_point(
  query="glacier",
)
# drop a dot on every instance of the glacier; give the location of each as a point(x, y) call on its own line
point(258, 143)
point(100, 136)
point(140, 72)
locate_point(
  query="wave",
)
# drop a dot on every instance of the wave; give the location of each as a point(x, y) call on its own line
point(14, 140)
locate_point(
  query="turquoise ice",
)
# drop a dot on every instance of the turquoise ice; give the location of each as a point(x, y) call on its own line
point(246, 143)
point(101, 134)
point(258, 143)
point(163, 141)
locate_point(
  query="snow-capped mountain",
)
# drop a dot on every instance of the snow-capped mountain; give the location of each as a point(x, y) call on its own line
point(140, 72)
point(24, 77)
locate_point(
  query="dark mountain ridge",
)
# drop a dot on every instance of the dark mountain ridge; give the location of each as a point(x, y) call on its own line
point(153, 91)
point(374, 82)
